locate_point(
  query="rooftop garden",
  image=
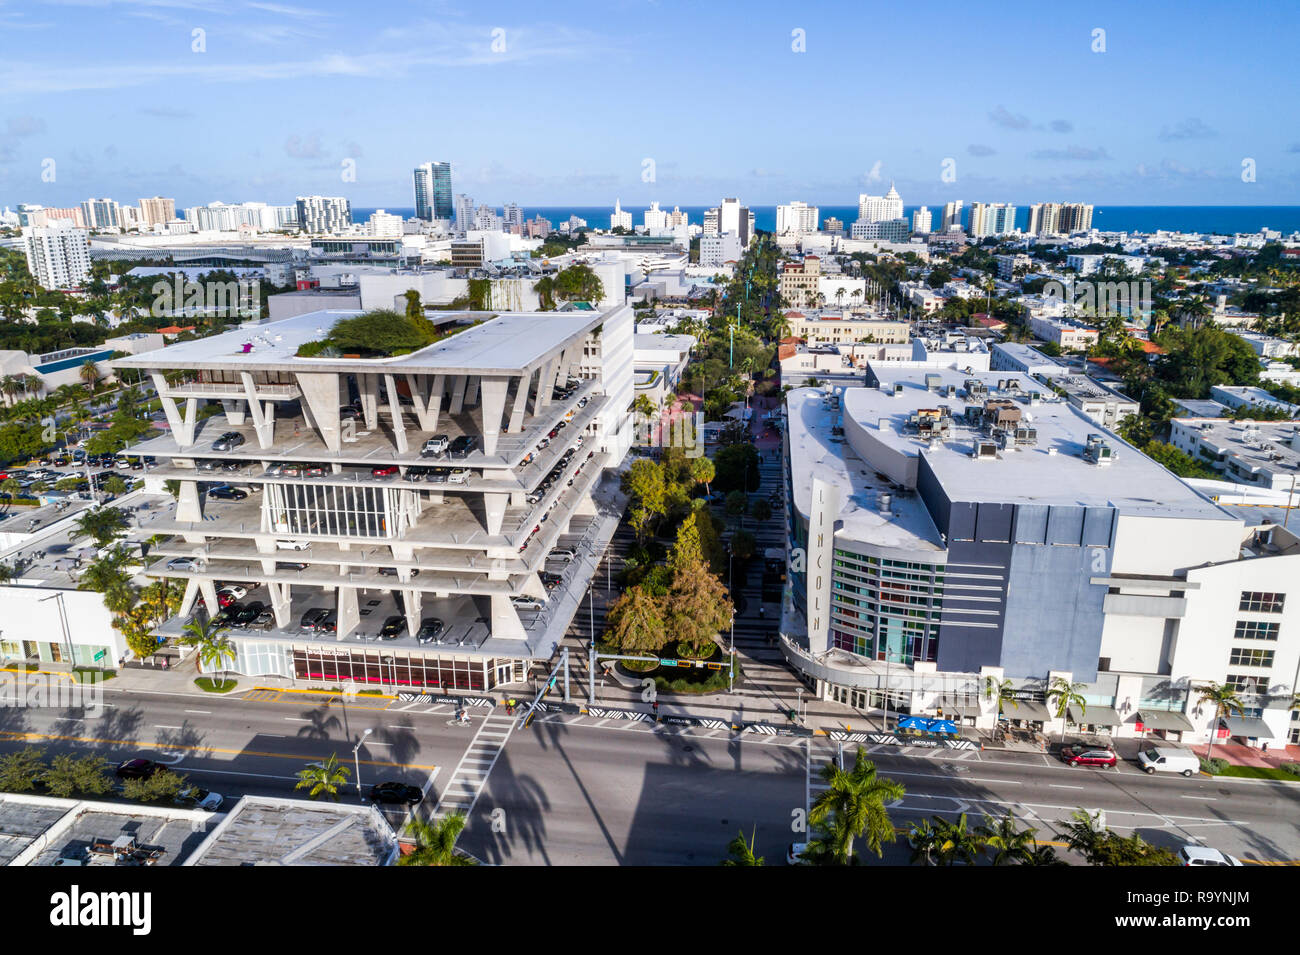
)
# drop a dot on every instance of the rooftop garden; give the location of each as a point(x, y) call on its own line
point(381, 333)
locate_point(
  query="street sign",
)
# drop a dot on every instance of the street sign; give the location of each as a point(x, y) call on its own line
point(668, 663)
point(101, 654)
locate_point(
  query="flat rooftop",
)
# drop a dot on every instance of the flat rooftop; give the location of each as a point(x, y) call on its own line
point(266, 831)
point(504, 344)
point(1085, 388)
point(815, 452)
point(1051, 472)
point(1263, 444)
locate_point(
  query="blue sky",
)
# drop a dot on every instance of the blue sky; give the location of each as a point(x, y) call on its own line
point(583, 92)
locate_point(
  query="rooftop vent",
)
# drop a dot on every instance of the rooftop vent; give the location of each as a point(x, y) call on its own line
point(886, 502)
point(1097, 451)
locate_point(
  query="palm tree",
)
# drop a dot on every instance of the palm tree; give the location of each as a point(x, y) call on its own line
point(11, 487)
point(324, 779)
point(10, 386)
point(857, 798)
point(956, 841)
point(1066, 694)
point(924, 841)
point(1003, 691)
point(1045, 856)
point(435, 842)
point(90, 375)
point(1008, 843)
point(742, 852)
point(1225, 701)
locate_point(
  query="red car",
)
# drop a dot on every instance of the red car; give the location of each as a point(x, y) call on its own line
point(384, 470)
point(1080, 755)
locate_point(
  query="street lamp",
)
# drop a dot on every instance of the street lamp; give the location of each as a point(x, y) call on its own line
point(356, 759)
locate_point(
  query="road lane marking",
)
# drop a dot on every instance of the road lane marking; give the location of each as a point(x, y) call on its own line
point(203, 712)
point(159, 726)
point(1206, 798)
point(1058, 786)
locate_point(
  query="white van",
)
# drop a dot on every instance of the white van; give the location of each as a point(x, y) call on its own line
point(1165, 759)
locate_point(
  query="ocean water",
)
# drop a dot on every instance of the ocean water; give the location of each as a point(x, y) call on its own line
point(1223, 220)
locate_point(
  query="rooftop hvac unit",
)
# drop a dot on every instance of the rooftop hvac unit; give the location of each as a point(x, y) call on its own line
point(1097, 451)
point(985, 450)
point(950, 391)
point(932, 382)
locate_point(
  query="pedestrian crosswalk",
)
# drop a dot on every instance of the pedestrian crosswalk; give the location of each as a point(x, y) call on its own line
point(469, 777)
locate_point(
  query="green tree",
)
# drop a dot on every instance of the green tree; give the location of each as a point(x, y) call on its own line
point(324, 779)
point(737, 502)
point(1003, 691)
point(77, 776)
point(1225, 701)
point(1007, 842)
point(741, 852)
point(162, 785)
point(103, 525)
point(22, 771)
point(856, 798)
point(736, 468)
point(636, 622)
point(702, 472)
point(208, 634)
point(761, 510)
point(435, 842)
point(1063, 694)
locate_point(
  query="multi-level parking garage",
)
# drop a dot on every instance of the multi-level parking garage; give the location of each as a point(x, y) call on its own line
point(416, 499)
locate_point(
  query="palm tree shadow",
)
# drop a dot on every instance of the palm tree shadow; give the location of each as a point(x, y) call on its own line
point(322, 721)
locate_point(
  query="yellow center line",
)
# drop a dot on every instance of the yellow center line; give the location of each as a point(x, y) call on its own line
point(36, 737)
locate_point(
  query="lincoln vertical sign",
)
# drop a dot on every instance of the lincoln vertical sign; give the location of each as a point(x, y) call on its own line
point(821, 546)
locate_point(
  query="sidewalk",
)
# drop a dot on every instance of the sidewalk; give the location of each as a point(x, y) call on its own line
point(1239, 755)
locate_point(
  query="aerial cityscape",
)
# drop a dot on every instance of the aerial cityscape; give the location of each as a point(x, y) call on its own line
point(646, 488)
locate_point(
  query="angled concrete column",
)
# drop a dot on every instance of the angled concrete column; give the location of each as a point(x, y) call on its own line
point(572, 354)
point(208, 590)
point(419, 386)
point(188, 505)
point(585, 505)
point(320, 394)
point(435, 400)
point(495, 505)
point(411, 600)
point(349, 613)
point(545, 385)
point(280, 604)
point(263, 415)
point(191, 595)
point(395, 409)
point(458, 394)
point(524, 382)
point(505, 619)
point(233, 409)
point(471, 391)
point(494, 405)
point(368, 386)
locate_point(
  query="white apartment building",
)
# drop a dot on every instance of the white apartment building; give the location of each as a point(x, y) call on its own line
point(796, 218)
point(324, 214)
point(716, 251)
point(655, 218)
point(1088, 264)
point(410, 502)
point(619, 218)
point(921, 221)
point(383, 223)
point(951, 216)
point(991, 218)
point(1247, 396)
point(880, 208)
point(733, 217)
point(100, 214)
point(58, 255)
point(1262, 454)
point(1067, 335)
point(1267, 346)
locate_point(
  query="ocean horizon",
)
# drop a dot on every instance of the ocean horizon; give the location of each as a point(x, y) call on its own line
point(1217, 220)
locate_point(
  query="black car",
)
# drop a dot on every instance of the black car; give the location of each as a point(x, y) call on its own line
point(231, 465)
point(430, 629)
point(312, 618)
point(464, 444)
point(328, 623)
point(138, 769)
point(393, 627)
point(228, 441)
point(225, 492)
point(248, 614)
point(550, 581)
point(396, 793)
point(228, 614)
point(392, 572)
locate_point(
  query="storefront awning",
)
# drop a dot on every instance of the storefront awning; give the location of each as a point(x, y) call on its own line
point(960, 707)
point(1164, 720)
point(1247, 726)
point(1027, 710)
point(1095, 715)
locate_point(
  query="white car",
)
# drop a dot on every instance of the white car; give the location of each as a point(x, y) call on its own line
point(197, 798)
point(1203, 855)
point(193, 564)
point(527, 603)
point(236, 592)
point(565, 554)
point(292, 545)
point(435, 445)
point(1167, 759)
point(458, 476)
